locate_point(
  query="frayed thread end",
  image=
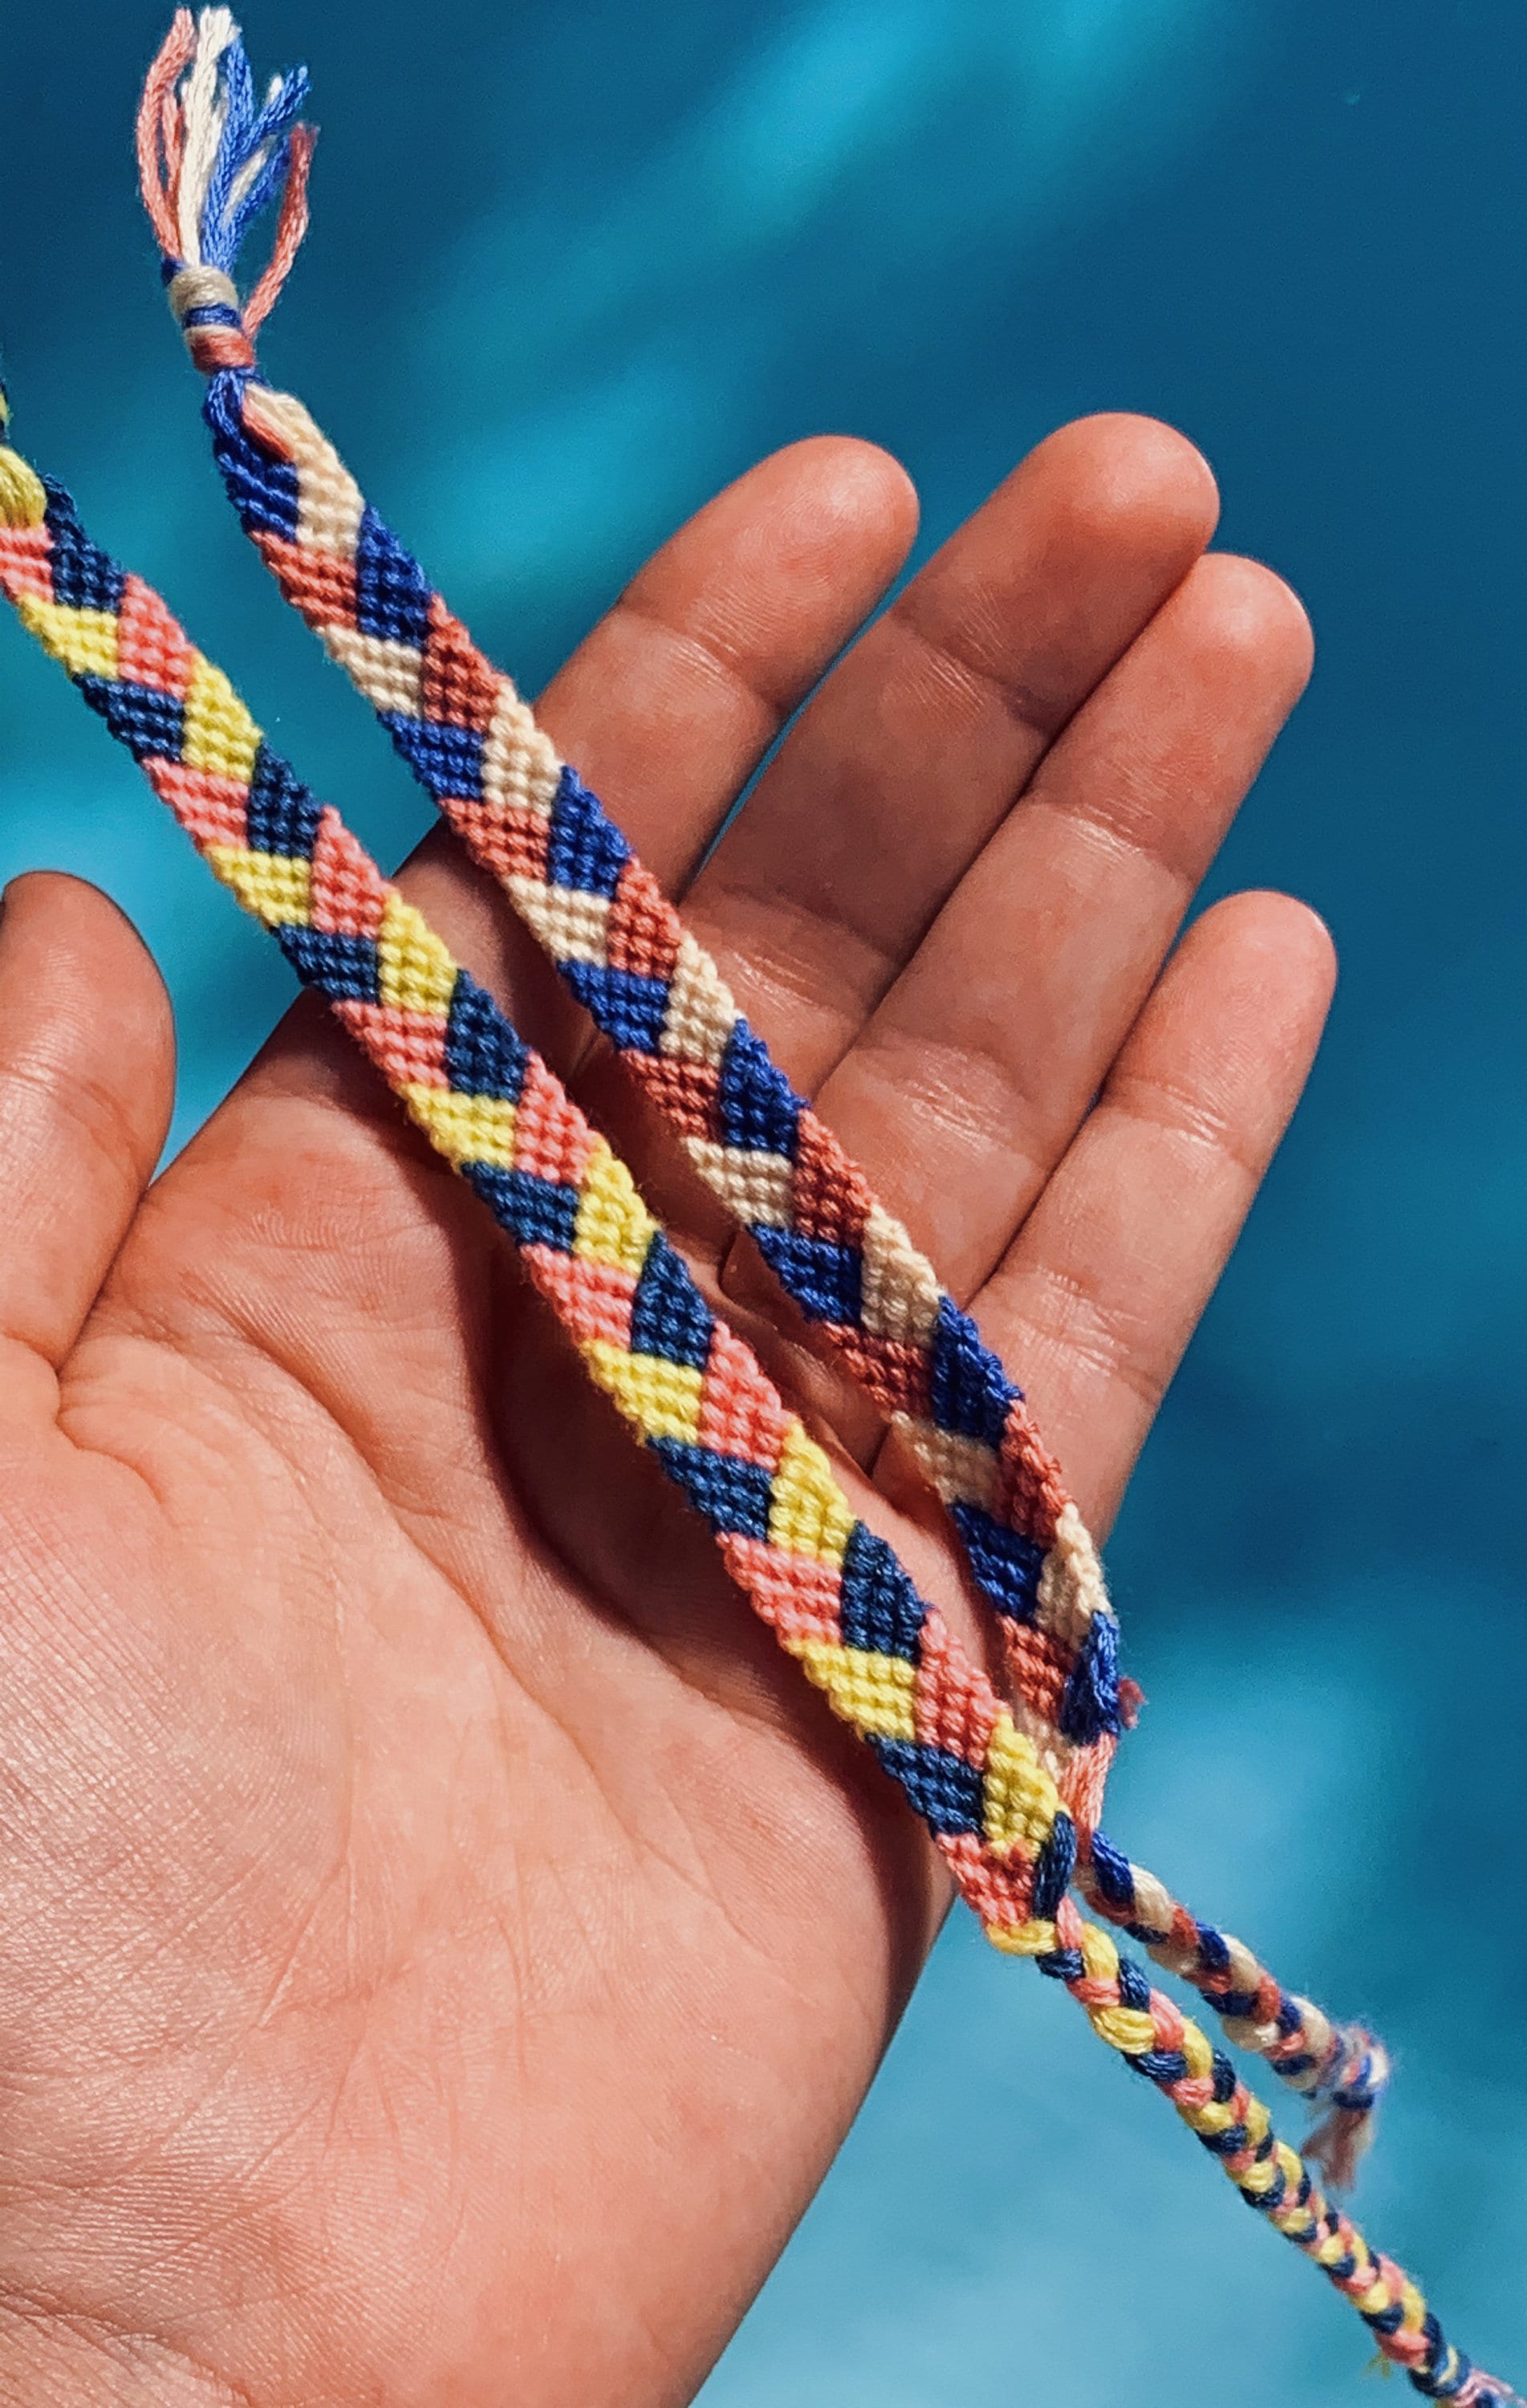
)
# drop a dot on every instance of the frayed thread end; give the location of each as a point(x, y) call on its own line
point(1354, 2081)
point(212, 158)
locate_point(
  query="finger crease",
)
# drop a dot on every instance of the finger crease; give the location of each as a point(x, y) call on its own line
point(1023, 704)
point(1175, 1113)
point(713, 660)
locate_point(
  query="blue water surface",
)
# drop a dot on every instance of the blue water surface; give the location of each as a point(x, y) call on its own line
point(575, 265)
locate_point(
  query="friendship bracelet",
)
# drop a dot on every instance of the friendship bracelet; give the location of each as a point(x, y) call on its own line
point(835, 1593)
point(209, 158)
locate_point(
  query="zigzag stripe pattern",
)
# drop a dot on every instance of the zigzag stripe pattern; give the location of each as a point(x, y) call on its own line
point(526, 817)
point(834, 1594)
point(463, 729)
point(849, 1265)
point(621, 949)
point(692, 1390)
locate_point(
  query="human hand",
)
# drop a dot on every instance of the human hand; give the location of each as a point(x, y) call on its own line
point(446, 1942)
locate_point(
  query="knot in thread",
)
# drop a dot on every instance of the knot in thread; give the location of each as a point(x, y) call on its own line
point(205, 305)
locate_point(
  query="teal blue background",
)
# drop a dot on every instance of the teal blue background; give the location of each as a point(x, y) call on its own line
point(572, 267)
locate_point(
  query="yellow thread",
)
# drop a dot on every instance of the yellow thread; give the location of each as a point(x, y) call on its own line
point(1018, 1799)
point(1256, 2181)
point(1098, 1954)
point(464, 1129)
point(414, 972)
point(24, 501)
point(1290, 2163)
point(1023, 1938)
point(807, 1512)
point(1198, 2051)
point(221, 736)
point(1331, 2251)
point(662, 1398)
point(1414, 2307)
point(275, 888)
point(613, 1224)
point(872, 1692)
point(1214, 2115)
point(84, 640)
point(1129, 2030)
point(1376, 2299)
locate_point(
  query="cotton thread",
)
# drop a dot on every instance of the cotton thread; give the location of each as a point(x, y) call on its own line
point(463, 729)
point(834, 1594)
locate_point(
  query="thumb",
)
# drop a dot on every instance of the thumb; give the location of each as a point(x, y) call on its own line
point(87, 1080)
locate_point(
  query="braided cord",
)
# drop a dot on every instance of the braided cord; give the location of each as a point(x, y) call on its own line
point(463, 729)
point(834, 1594)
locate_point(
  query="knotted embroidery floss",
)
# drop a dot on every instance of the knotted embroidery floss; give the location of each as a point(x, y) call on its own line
point(834, 1594)
point(209, 156)
point(206, 152)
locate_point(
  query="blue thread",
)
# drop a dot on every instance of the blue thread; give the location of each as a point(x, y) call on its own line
point(1089, 1706)
point(668, 1315)
point(448, 760)
point(943, 1788)
point(392, 598)
point(826, 1281)
point(151, 724)
point(1006, 1564)
point(483, 1055)
point(265, 490)
point(630, 1007)
point(1052, 1872)
point(535, 1212)
point(971, 1392)
point(1115, 1873)
point(878, 1608)
point(583, 848)
point(345, 968)
point(247, 130)
point(282, 814)
point(756, 1104)
point(1133, 1987)
point(734, 1496)
point(85, 577)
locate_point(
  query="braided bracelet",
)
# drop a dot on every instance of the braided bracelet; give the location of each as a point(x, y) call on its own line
point(692, 1393)
point(210, 159)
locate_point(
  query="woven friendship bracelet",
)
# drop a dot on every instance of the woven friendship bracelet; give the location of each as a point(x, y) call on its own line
point(209, 158)
point(833, 1593)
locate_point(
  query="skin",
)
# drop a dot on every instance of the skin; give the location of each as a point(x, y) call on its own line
point(445, 1941)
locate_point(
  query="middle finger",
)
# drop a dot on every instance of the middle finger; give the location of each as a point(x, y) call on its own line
point(923, 736)
point(968, 1082)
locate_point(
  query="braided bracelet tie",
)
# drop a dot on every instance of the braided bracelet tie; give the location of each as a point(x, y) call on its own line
point(835, 1593)
point(462, 729)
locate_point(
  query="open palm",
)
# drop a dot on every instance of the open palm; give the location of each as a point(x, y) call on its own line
point(445, 1944)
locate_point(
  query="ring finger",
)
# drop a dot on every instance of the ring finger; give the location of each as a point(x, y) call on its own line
point(969, 1079)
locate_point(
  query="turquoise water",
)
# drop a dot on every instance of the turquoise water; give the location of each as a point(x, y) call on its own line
point(573, 267)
